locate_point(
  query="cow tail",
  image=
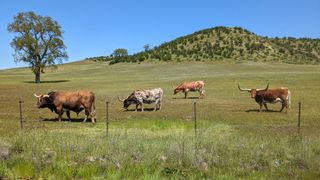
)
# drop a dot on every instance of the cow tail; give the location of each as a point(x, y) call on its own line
point(93, 108)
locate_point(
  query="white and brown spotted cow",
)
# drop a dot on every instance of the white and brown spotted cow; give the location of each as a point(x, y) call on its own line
point(140, 97)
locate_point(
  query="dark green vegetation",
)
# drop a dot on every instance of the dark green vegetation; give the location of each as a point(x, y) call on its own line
point(234, 140)
point(38, 41)
point(235, 44)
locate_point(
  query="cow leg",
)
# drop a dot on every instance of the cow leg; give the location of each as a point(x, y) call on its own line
point(136, 108)
point(200, 96)
point(85, 119)
point(283, 105)
point(260, 104)
point(93, 114)
point(87, 114)
point(92, 118)
point(159, 104)
point(68, 115)
point(265, 105)
point(141, 107)
point(59, 111)
point(185, 95)
point(202, 93)
point(287, 106)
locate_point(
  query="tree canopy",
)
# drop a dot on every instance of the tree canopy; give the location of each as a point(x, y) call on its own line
point(38, 41)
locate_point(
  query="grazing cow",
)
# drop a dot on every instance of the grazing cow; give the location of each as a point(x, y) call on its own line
point(140, 97)
point(264, 96)
point(190, 86)
point(59, 102)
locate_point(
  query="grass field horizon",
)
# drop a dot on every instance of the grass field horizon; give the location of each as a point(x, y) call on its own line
point(234, 139)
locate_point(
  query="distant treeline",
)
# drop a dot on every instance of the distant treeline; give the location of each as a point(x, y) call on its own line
point(221, 43)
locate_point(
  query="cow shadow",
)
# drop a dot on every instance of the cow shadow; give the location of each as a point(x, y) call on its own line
point(187, 98)
point(73, 120)
point(47, 82)
point(139, 110)
point(257, 110)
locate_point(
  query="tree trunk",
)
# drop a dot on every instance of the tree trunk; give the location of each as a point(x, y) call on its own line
point(37, 77)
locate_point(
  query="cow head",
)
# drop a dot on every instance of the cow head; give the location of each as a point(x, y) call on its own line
point(253, 92)
point(175, 91)
point(127, 102)
point(45, 101)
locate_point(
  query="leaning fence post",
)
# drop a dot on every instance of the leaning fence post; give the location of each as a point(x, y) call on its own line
point(20, 108)
point(107, 117)
point(299, 117)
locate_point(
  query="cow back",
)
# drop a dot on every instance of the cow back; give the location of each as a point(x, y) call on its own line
point(73, 100)
point(272, 94)
point(196, 85)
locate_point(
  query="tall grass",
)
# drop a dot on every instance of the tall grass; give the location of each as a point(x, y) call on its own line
point(218, 151)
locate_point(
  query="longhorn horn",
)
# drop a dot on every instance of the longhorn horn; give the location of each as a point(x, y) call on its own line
point(242, 89)
point(46, 95)
point(264, 89)
point(36, 95)
point(120, 99)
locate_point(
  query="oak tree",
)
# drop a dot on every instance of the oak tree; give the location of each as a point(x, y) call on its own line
point(38, 41)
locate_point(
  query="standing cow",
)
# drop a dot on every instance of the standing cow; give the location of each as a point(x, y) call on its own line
point(60, 102)
point(140, 97)
point(264, 96)
point(190, 86)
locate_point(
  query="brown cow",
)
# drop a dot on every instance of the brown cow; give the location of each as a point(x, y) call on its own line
point(59, 102)
point(264, 96)
point(190, 86)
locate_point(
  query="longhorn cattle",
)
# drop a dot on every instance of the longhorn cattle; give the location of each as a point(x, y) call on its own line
point(60, 102)
point(264, 96)
point(190, 86)
point(140, 97)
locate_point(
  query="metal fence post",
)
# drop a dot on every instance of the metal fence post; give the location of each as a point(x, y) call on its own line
point(20, 109)
point(107, 118)
point(195, 118)
point(299, 117)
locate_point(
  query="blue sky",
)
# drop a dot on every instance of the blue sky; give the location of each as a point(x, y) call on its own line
point(97, 27)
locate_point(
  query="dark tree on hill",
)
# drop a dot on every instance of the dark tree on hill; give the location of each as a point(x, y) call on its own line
point(146, 47)
point(38, 41)
point(120, 54)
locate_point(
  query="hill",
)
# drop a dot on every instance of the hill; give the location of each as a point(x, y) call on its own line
point(236, 44)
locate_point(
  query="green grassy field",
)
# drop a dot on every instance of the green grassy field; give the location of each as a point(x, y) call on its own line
point(233, 141)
